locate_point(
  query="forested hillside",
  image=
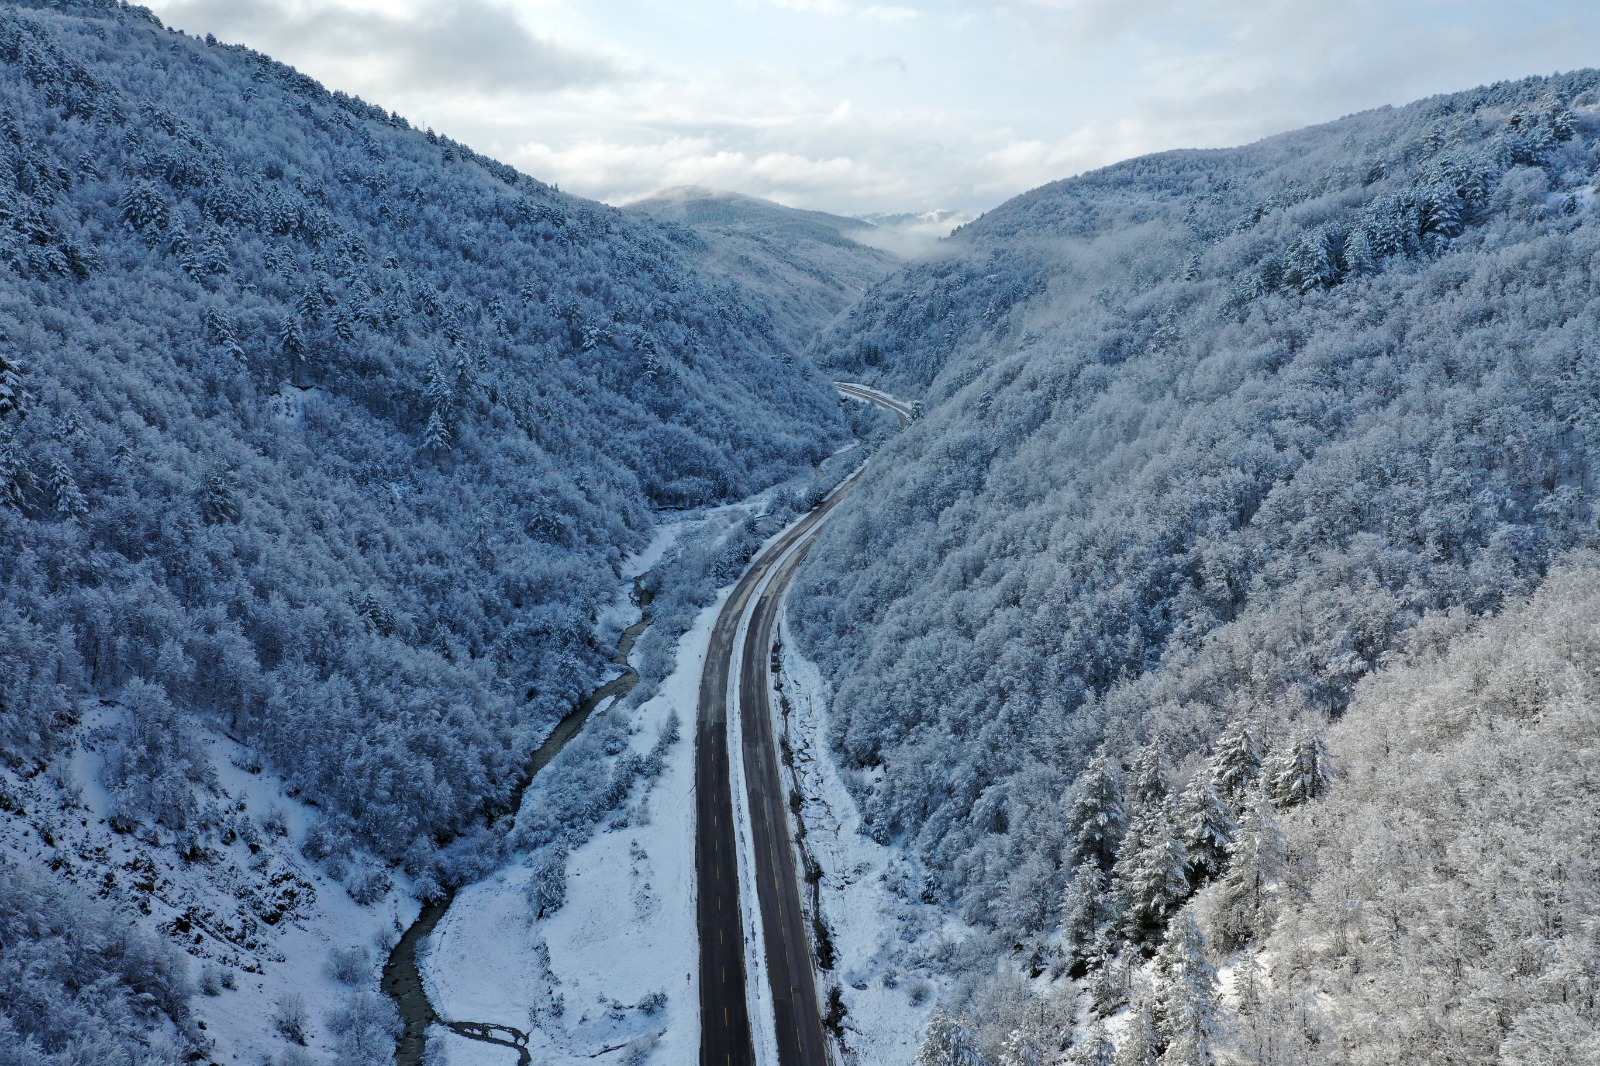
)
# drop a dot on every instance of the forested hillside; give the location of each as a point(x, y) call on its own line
point(805, 266)
point(1206, 436)
point(329, 433)
point(1439, 906)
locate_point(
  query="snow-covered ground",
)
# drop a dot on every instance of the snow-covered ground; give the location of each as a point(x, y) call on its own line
point(880, 930)
point(625, 934)
point(611, 974)
point(259, 921)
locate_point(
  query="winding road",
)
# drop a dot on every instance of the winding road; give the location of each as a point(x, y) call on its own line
point(745, 627)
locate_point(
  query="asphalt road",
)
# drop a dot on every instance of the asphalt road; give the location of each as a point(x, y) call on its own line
point(726, 1038)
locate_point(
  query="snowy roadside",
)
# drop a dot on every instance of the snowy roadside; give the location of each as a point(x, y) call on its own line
point(610, 975)
point(880, 931)
point(611, 968)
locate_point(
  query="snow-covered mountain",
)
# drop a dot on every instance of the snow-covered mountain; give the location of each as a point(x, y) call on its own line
point(1204, 675)
point(1208, 437)
point(807, 266)
point(322, 441)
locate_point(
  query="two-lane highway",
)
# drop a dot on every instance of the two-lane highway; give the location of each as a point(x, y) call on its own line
point(746, 624)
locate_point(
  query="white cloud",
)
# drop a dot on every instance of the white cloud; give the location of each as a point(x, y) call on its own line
point(889, 13)
point(854, 106)
point(816, 7)
point(453, 46)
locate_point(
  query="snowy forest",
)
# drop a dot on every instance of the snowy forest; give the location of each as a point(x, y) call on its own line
point(282, 431)
point(1208, 438)
point(1214, 654)
point(328, 434)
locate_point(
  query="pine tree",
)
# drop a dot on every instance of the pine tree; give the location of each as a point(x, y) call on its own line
point(1187, 1014)
point(13, 401)
point(1249, 982)
point(1086, 913)
point(1254, 1032)
point(308, 305)
point(439, 383)
point(1109, 980)
point(144, 209)
point(67, 499)
point(1359, 257)
point(1255, 862)
point(1097, 816)
point(1299, 773)
point(290, 340)
point(436, 434)
point(212, 258)
point(1149, 785)
point(1141, 1042)
point(1207, 827)
point(218, 496)
point(344, 326)
point(1235, 766)
point(12, 474)
point(1151, 875)
point(949, 1043)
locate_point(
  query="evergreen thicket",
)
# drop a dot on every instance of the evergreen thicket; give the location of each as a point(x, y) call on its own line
point(328, 432)
point(1205, 437)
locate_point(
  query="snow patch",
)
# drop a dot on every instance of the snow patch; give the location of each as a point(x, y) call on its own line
point(258, 920)
point(615, 966)
point(881, 933)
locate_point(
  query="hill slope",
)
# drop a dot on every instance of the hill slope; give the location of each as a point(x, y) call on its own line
point(328, 433)
point(1206, 435)
point(806, 266)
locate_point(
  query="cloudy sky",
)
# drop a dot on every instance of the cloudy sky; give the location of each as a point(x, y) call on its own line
point(855, 106)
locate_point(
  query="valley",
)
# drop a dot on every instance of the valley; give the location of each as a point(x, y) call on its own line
point(448, 619)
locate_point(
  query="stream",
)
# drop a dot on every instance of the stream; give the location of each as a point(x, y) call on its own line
point(402, 979)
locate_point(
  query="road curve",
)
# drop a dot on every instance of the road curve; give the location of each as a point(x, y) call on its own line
point(726, 1037)
point(871, 395)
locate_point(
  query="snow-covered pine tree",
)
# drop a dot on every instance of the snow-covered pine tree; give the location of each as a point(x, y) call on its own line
point(1110, 978)
point(1086, 913)
point(66, 497)
point(1235, 765)
point(1300, 772)
point(1207, 827)
point(290, 338)
point(436, 434)
point(218, 496)
point(1149, 785)
point(1140, 1044)
point(12, 474)
point(1097, 817)
point(1151, 876)
point(12, 402)
point(219, 329)
point(949, 1042)
point(1186, 1009)
point(1255, 862)
point(144, 209)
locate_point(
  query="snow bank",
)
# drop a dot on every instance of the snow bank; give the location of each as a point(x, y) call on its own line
point(879, 931)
